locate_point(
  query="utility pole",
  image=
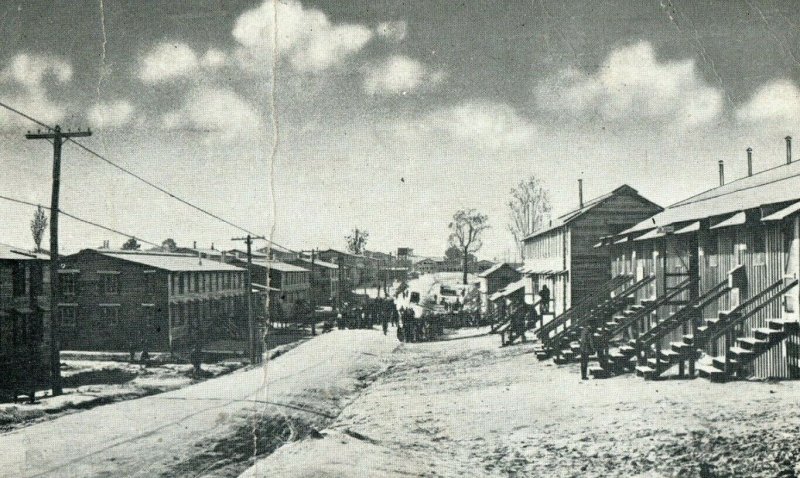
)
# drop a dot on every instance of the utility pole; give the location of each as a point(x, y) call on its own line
point(57, 137)
point(249, 284)
point(312, 295)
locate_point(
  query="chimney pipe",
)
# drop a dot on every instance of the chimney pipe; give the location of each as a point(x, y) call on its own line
point(212, 246)
point(788, 149)
point(749, 161)
point(580, 193)
point(194, 245)
point(721, 173)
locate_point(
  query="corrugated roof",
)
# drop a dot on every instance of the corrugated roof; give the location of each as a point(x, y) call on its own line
point(776, 185)
point(318, 262)
point(167, 261)
point(11, 253)
point(493, 269)
point(587, 206)
point(279, 266)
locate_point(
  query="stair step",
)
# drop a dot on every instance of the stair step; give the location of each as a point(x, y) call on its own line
point(597, 371)
point(782, 324)
point(769, 334)
point(670, 355)
point(712, 373)
point(688, 339)
point(627, 350)
point(752, 343)
point(719, 362)
point(644, 371)
point(740, 352)
point(712, 321)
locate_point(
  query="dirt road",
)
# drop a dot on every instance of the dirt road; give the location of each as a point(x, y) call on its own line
point(469, 408)
point(215, 428)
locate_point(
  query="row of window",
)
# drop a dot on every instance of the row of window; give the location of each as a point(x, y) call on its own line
point(182, 313)
point(549, 245)
point(189, 282)
point(109, 283)
point(107, 314)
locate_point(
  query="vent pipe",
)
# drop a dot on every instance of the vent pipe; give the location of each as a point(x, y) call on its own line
point(721, 172)
point(194, 245)
point(580, 193)
point(788, 149)
point(749, 161)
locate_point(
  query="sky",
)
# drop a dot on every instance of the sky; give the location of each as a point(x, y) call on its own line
point(303, 120)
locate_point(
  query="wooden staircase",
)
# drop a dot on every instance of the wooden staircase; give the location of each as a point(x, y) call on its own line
point(652, 361)
point(739, 352)
point(562, 342)
point(624, 358)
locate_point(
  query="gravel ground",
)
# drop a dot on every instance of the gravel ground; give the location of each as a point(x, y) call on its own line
point(469, 408)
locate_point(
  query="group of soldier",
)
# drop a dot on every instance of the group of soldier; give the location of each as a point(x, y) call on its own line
point(366, 315)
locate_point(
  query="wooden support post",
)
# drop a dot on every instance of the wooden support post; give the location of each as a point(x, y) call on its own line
point(658, 356)
point(728, 343)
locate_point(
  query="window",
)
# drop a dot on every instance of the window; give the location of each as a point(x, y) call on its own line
point(149, 314)
point(150, 282)
point(110, 283)
point(67, 284)
point(759, 247)
point(110, 315)
point(69, 316)
point(18, 273)
point(711, 249)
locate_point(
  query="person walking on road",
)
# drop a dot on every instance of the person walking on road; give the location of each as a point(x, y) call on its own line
point(384, 323)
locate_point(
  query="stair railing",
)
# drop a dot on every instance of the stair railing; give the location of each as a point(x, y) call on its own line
point(693, 309)
point(736, 317)
point(658, 302)
point(590, 301)
point(613, 302)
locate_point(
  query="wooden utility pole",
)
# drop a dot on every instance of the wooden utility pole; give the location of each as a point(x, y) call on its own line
point(251, 326)
point(57, 137)
point(312, 295)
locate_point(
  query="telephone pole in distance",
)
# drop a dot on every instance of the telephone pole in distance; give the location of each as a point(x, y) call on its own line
point(251, 326)
point(57, 137)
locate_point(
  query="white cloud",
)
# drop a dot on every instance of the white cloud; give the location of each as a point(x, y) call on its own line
point(214, 110)
point(393, 31)
point(168, 61)
point(399, 74)
point(305, 37)
point(24, 78)
point(110, 115)
point(775, 102)
point(632, 85)
point(213, 58)
point(482, 123)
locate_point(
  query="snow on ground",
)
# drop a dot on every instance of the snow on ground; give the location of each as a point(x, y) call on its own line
point(90, 383)
point(214, 428)
point(470, 408)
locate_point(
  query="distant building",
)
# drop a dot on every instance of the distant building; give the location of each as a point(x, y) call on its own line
point(493, 280)
point(324, 281)
point(114, 300)
point(287, 283)
point(427, 266)
point(353, 266)
point(24, 319)
point(563, 257)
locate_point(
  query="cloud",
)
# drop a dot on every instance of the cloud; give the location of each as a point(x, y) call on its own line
point(213, 58)
point(110, 115)
point(483, 123)
point(168, 61)
point(775, 102)
point(305, 37)
point(23, 85)
point(632, 85)
point(399, 74)
point(214, 110)
point(392, 31)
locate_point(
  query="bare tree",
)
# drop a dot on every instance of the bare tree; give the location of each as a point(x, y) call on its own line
point(357, 241)
point(465, 233)
point(38, 225)
point(169, 245)
point(529, 209)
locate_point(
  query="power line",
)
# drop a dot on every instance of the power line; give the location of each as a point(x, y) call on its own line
point(140, 178)
point(85, 221)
